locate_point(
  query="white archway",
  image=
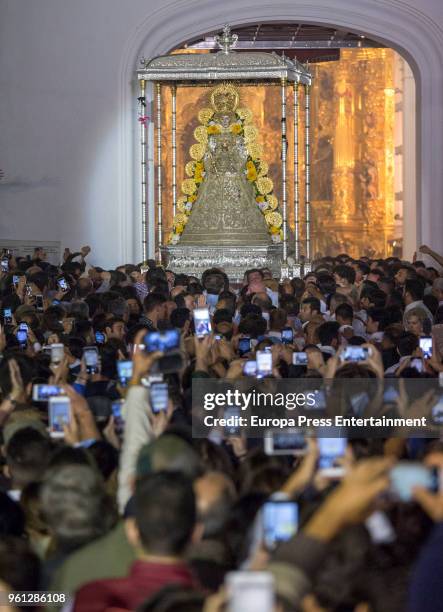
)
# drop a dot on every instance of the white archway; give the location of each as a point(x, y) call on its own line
point(406, 29)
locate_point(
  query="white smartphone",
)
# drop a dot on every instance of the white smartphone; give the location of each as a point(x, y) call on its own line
point(57, 353)
point(159, 397)
point(202, 322)
point(250, 591)
point(300, 359)
point(250, 368)
point(90, 354)
point(426, 346)
point(280, 522)
point(290, 441)
point(59, 409)
point(42, 393)
point(355, 353)
point(331, 451)
point(264, 363)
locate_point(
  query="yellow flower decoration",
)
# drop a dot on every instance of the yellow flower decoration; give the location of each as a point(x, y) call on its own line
point(260, 198)
point(251, 175)
point(274, 219)
point(213, 129)
point(235, 128)
point(274, 230)
point(245, 114)
point(201, 134)
point(197, 151)
point(272, 201)
point(264, 185)
point(250, 165)
point(205, 115)
point(255, 150)
point(189, 186)
point(192, 198)
point(251, 133)
point(190, 169)
point(180, 219)
point(179, 229)
point(264, 168)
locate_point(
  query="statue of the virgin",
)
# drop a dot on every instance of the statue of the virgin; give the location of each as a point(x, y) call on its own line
point(225, 212)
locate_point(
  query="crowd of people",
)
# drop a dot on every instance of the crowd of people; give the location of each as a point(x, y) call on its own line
point(111, 503)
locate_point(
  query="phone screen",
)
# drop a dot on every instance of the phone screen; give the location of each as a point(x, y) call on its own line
point(247, 590)
point(232, 416)
point(57, 353)
point(250, 368)
point(287, 335)
point(90, 354)
point(100, 337)
point(63, 284)
point(355, 353)
point(300, 359)
point(159, 397)
point(286, 442)
point(22, 337)
point(119, 423)
point(124, 369)
point(330, 451)
point(41, 393)
point(280, 522)
point(202, 322)
point(7, 316)
point(163, 341)
point(59, 415)
point(407, 475)
point(264, 363)
point(39, 303)
point(244, 346)
point(5, 265)
point(426, 346)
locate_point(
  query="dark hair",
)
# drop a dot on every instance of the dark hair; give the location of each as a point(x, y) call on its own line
point(415, 289)
point(253, 326)
point(19, 566)
point(27, 455)
point(222, 314)
point(313, 302)
point(407, 343)
point(165, 512)
point(375, 296)
point(12, 517)
point(346, 272)
point(328, 332)
point(345, 311)
point(152, 300)
point(179, 316)
point(380, 316)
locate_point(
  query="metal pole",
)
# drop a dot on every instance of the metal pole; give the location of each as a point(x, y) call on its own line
point(159, 171)
point(297, 267)
point(174, 148)
point(283, 159)
point(308, 262)
point(143, 120)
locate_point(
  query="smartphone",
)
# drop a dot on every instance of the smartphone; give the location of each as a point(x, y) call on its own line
point(319, 400)
point(359, 403)
point(244, 346)
point(390, 395)
point(41, 393)
point(249, 591)
point(59, 409)
point(100, 337)
point(62, 284)
point(7, 316)
point(57, 353)
point(290, 441)
point(437, 411)
point(417, 364)
point(426, 346)
point(124, 371)
point(15, 280)
point(24, 327)
point(380, 528)
point(232, 416)
point(4, 265)
point(287, 335)
point(331, 450)
point(90, 354)
point(300, 359)
point(163, 341)
point(355, 353)
point(250, 368)
point(407, 474)
point(202, 322)
point(28, 289)
point(264, 363)
point(119, 422)
point(22, 337)
point(159, 395)
point(280, 522)
point(39, 303)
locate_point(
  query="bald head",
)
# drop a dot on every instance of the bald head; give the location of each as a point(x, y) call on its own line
point(215, 493)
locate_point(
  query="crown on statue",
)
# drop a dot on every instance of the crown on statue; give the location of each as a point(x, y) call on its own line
point(224, 98)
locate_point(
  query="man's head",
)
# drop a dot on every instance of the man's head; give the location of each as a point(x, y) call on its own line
point(262, 300)
point(154, 306)
point(215, 493)
point(27, 455)
point(407, 343)
point(328, 334)
point(254, 275)
point(310, 308)
point(344, 275)
point(165, 515)
point(403, 273)
point(344, 314)
point(115, 328)
point(437, 288)
point(40, 253)
point(377, 320)
point(413, 291)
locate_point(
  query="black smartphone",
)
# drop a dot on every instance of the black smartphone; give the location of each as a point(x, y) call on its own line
point(244, 346)
point(287, 335)
point(159, 397)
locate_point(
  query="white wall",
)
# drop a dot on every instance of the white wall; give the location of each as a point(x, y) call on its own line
point(68, 118)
